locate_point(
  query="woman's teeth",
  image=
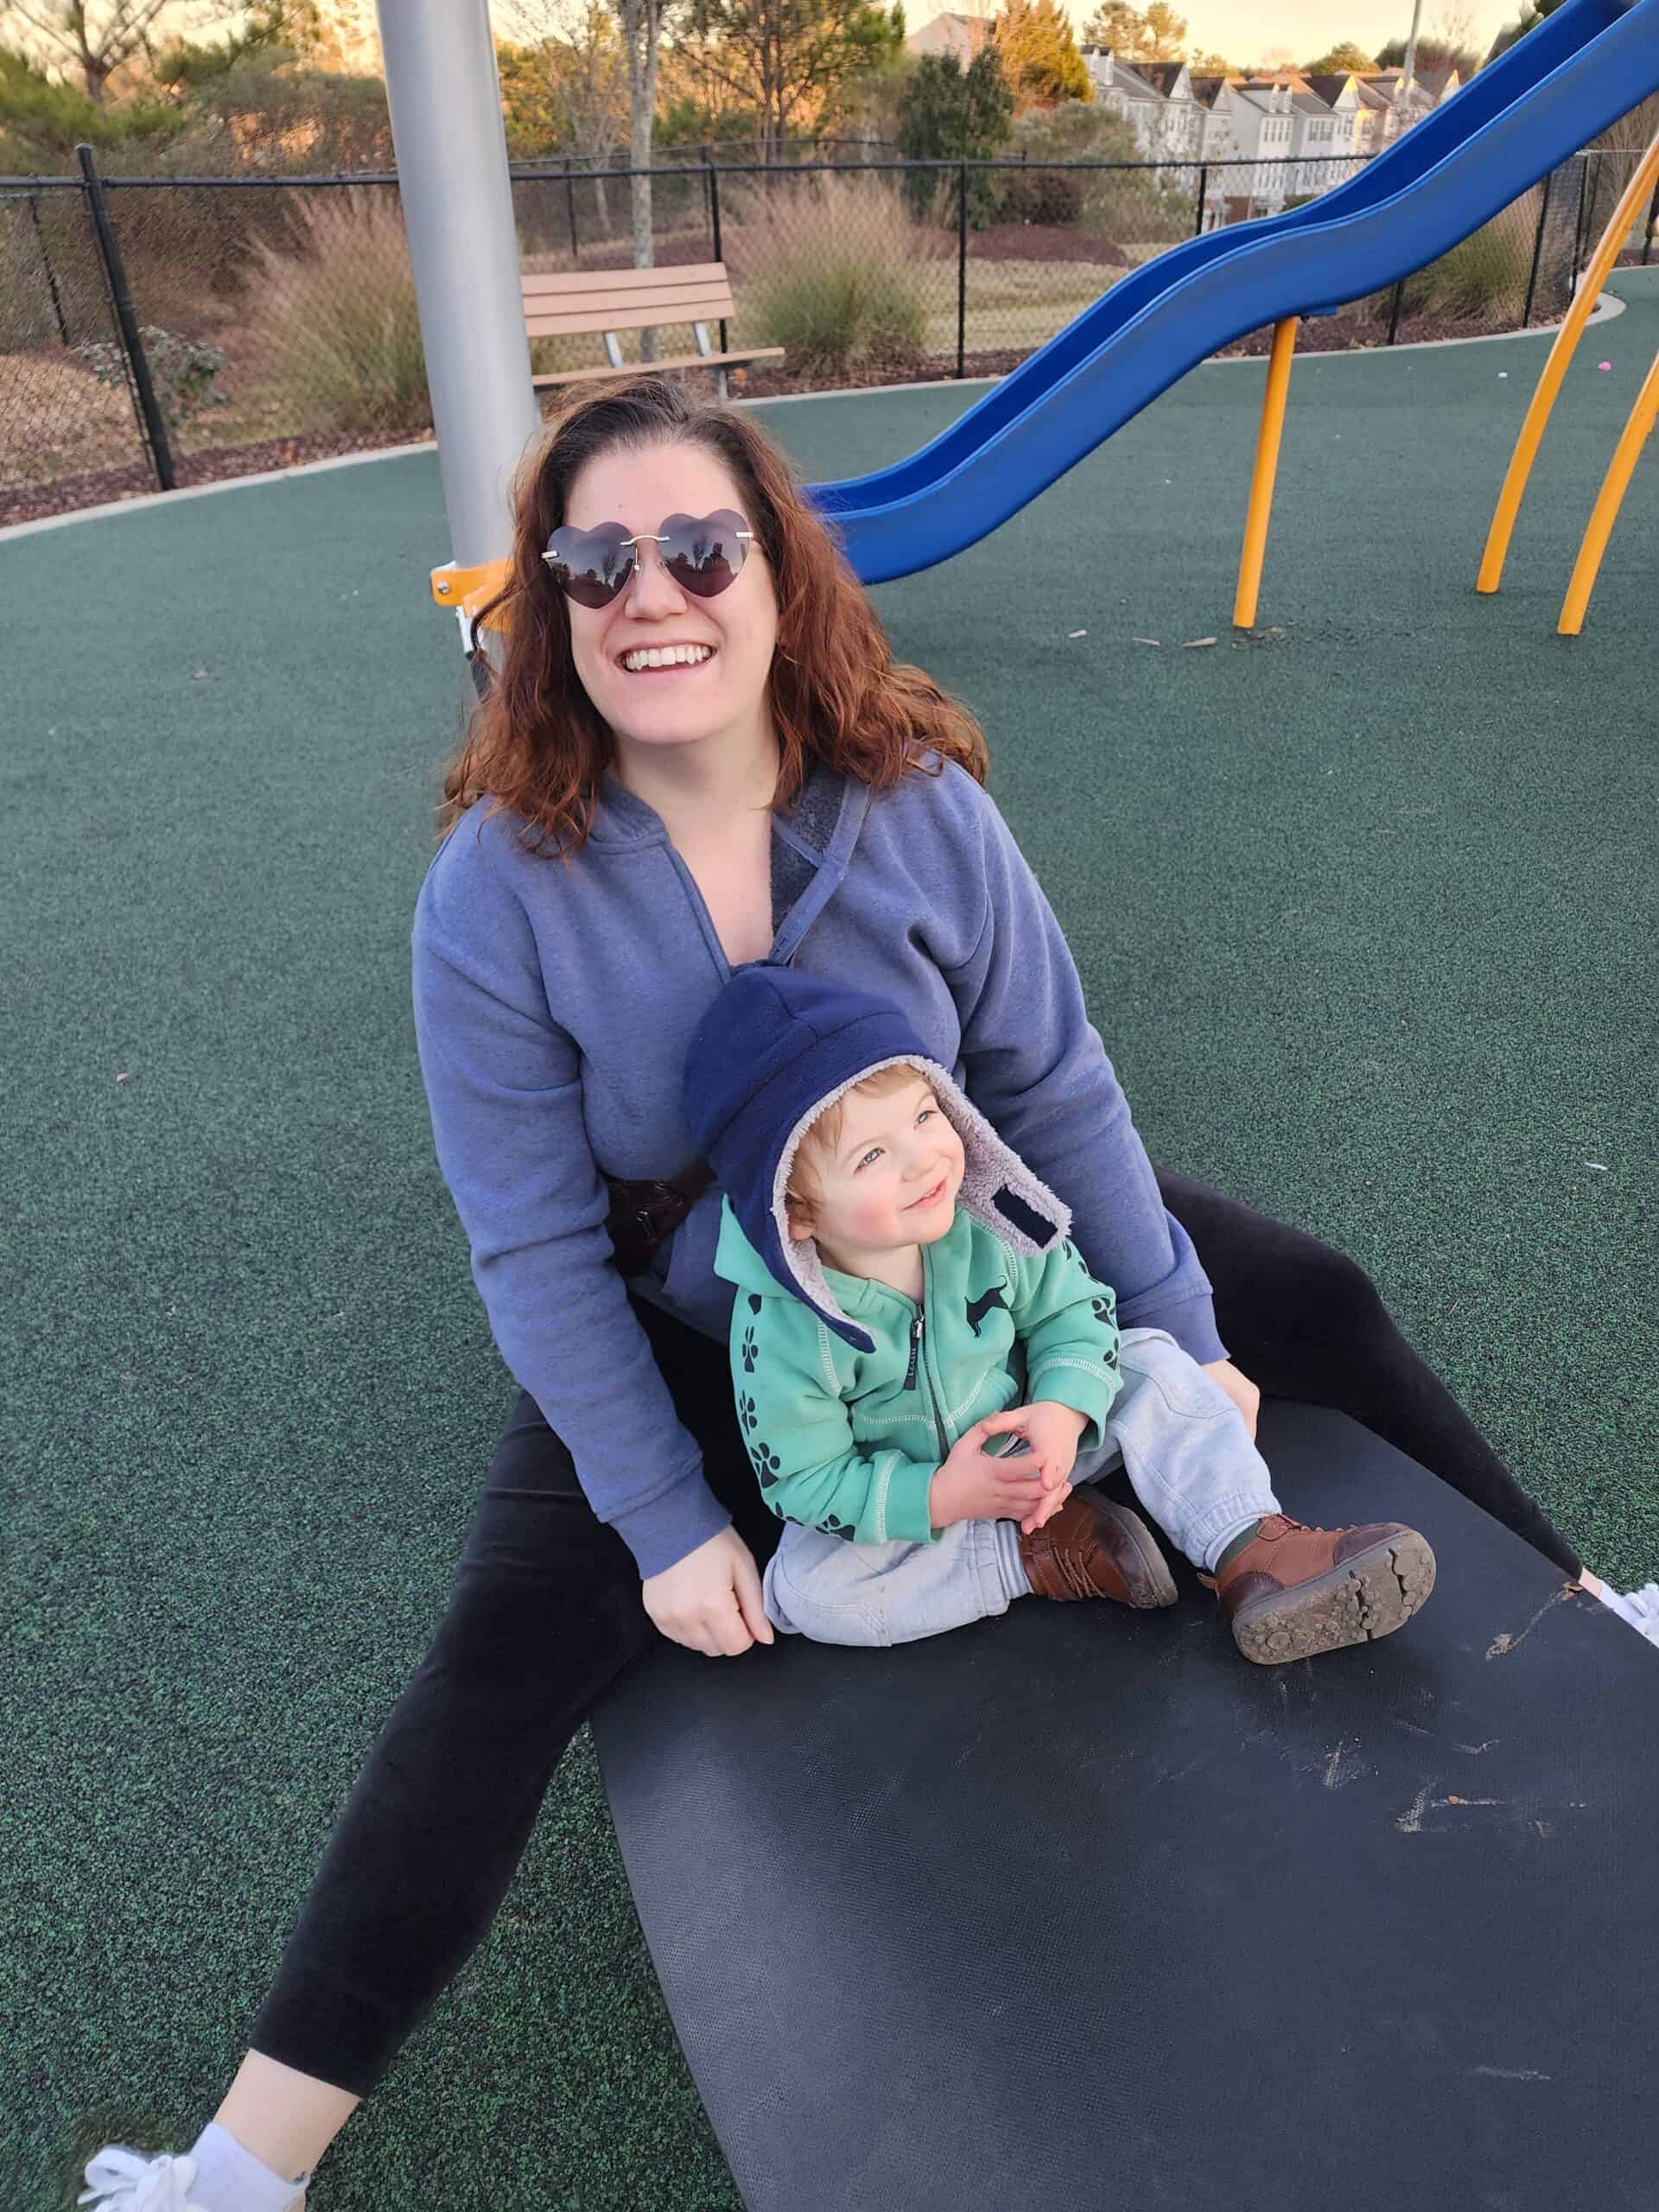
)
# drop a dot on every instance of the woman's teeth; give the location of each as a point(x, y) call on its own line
point(666, 657)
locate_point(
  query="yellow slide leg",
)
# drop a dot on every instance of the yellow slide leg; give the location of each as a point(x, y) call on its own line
point(1560, 353)
point(1267, 465)
point(1620, 469)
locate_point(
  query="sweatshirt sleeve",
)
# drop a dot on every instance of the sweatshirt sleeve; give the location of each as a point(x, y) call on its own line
point(504, 1086)
point(1037, 1070)
point(799, 1436)
point(1065, 1318)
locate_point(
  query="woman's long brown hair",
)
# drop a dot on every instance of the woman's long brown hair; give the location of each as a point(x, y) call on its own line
point(535, 743)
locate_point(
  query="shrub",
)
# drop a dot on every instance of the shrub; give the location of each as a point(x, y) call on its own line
point(182, 371)
point(1039, 195)
point(336, 326)
point(833, 269)
point(1144, 206)
point(1483, 279)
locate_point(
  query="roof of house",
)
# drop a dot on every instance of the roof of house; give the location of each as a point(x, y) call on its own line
point(971, 31)
point(1162, 76)
point(1127, 78)
point(1205, 89)
point(1330, 88)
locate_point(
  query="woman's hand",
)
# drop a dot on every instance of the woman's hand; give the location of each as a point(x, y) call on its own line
point(1239, 1387)
point(710, 1601)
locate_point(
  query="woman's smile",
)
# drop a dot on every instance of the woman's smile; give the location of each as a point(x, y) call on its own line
point(678, 659)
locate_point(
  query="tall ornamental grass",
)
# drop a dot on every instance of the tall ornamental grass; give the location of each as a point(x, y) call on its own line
point(337, 331)
point(833, 269)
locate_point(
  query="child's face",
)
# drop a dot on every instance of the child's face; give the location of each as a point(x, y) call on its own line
point(891, 1181)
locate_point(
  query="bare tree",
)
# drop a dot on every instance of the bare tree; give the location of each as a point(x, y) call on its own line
point(93, 36)
point(587, 74)
point(602, 60)
point(642, 27)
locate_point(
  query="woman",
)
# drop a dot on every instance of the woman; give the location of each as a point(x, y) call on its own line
point(699, 753)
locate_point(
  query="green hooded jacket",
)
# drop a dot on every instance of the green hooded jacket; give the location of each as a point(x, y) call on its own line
point(849, 1441)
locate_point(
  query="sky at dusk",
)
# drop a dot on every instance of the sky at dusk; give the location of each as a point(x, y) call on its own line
point(1246, 32)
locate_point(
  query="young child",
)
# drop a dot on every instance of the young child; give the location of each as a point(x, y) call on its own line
point(908, 1296)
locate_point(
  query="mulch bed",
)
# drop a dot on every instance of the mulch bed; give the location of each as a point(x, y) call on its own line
point(98, 487)
point(1044, 241)
point(136, 480)
point(1337, 334)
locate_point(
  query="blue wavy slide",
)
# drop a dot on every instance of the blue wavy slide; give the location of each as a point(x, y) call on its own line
point(1579, 71)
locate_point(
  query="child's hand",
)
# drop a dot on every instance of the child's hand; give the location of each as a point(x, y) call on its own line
point(1051, 1431)
point(973, 1485)
point(1055, 1494)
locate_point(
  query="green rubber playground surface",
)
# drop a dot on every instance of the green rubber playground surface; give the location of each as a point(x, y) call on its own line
point(1364, 908)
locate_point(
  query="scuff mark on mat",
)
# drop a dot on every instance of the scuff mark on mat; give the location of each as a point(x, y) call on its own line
point(1410, 1823)
point(1502, 1645)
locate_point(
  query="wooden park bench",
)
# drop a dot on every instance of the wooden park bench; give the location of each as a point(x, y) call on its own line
point(563, 304)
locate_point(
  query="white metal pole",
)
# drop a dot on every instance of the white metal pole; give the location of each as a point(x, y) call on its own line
point(452, 165)
point(1403, 91)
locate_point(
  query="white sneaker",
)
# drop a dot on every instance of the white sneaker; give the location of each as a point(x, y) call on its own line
point(125, 2181)
point(1639, 1607)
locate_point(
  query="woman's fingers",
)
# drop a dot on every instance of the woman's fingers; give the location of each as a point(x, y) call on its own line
point(746, 1588)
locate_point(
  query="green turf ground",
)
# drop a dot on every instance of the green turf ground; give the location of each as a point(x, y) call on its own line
point(1365, 912)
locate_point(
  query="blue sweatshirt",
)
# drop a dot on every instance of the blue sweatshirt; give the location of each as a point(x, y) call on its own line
point(554, 1004)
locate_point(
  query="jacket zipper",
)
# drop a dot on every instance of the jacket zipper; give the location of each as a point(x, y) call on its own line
point(916, 1329)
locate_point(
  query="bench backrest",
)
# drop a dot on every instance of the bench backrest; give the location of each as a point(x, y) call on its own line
point(561, 304)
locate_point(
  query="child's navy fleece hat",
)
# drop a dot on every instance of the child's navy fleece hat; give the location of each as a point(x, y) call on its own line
point(773, 1051)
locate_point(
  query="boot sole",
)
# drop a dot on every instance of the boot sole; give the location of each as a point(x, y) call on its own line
point(1160, 1583)
point(1367, 1595)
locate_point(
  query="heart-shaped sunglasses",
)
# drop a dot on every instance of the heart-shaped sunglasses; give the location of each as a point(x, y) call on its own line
point(702, 553)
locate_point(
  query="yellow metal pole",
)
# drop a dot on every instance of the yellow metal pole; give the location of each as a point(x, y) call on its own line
point(1267, 464)
point(1555, 368)
point(1600, 527)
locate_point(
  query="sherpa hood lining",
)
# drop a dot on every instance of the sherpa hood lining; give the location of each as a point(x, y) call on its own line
point(988, 1167)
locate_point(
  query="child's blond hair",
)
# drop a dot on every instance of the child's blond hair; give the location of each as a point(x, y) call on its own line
point(804, 1192)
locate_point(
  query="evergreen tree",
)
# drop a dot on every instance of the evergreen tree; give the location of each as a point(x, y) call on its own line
point(951, 114)
point(1039, 55)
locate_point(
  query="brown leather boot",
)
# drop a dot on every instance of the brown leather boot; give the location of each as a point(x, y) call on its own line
point(1094, 1548)
point(1294, 1591)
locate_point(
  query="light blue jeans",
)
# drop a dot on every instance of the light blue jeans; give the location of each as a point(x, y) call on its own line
point(1190, 1460)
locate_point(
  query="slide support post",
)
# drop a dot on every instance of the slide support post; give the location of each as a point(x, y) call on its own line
point(1267, 465)
point(1634, 436)
point(1555, 368)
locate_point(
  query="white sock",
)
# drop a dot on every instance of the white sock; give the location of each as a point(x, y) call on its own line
point(231, 2179)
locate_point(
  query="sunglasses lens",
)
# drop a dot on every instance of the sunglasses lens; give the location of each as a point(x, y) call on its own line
point(590, 566)
point(704, 553)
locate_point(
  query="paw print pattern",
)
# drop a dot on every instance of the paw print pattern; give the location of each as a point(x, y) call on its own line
point(749, 1353)
point(767, 1464)
point(833, 1527)
point(1104, 1308)
point(754, 1302)
point(745, 1412)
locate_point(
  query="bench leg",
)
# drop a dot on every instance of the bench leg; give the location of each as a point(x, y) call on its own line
point(720, 385)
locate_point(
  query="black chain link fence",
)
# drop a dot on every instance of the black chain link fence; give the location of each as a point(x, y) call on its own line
point(272, 321)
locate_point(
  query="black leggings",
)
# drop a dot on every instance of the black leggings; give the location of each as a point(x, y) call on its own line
point(545, 1614)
